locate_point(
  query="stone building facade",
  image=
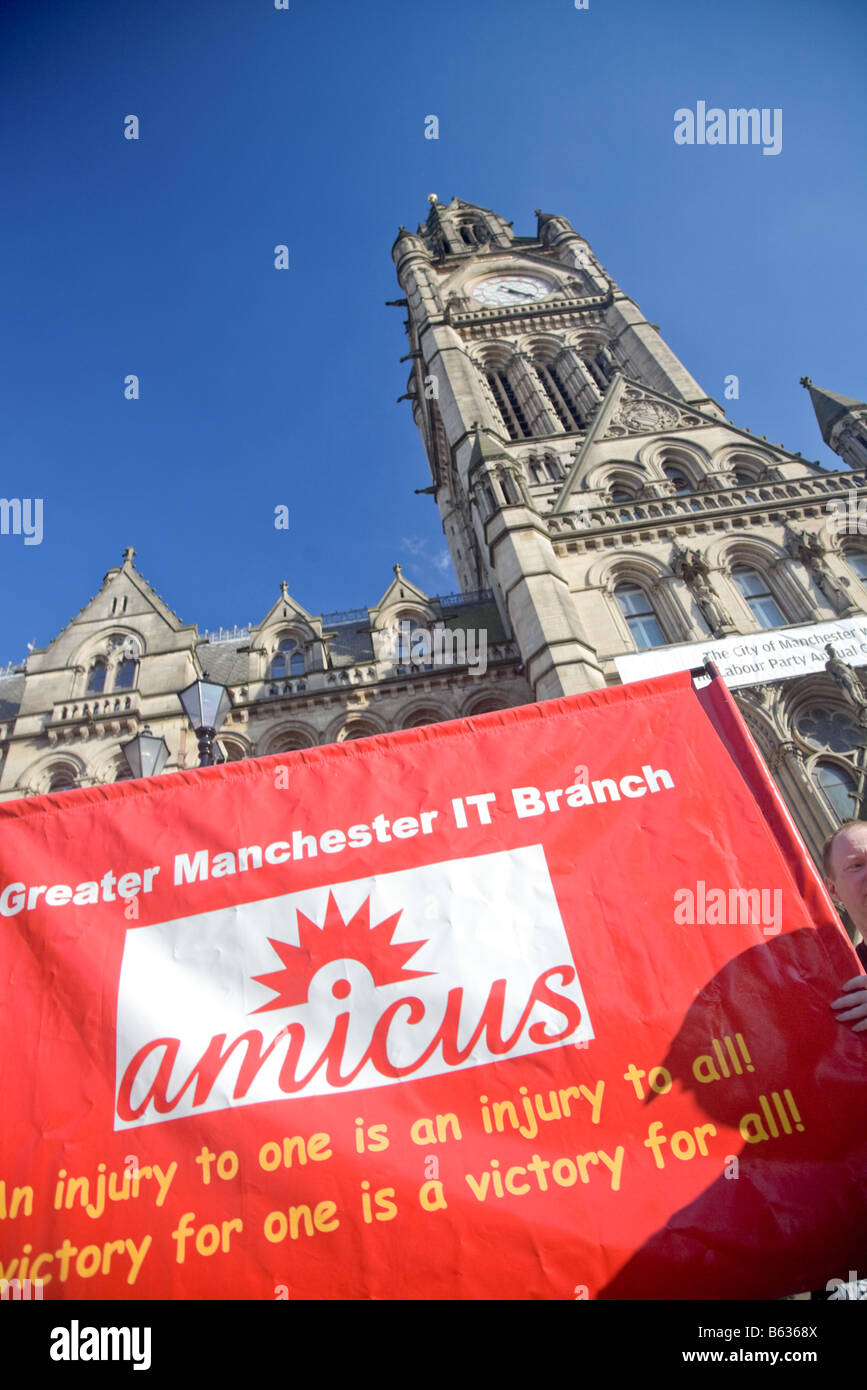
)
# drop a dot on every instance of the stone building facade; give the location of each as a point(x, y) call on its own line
point(296, 679)
point(595, 500)
point(587, 479)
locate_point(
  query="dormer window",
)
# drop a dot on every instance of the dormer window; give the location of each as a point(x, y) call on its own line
point(288, 660)
point(407, 626)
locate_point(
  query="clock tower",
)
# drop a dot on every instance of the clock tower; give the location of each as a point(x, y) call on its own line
point(581, 472)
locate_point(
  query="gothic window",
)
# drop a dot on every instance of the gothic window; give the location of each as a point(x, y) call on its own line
point(536, 473)
point(745, 480)
point(422, 717)
point(857, 561)
point(510, 492)
point(61, 778)
point(96, 678)
point(597, 373)
point(408, 625)
point(640, 616)
point(487, 705)
point(288, 660)
point(830, 728)
point(758, 597)
point(602, 362)
point(289, 743)
point(678, 478)
point(488, 497)
point(620, 494)
point(124, 678)
point(473, 233)
point(566, 410)
point(839, 788)
point(233, 752)
point(356, 730)
point(507, 404)
point(553, 469)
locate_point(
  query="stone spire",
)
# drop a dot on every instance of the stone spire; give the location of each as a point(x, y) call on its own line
point(843, 422)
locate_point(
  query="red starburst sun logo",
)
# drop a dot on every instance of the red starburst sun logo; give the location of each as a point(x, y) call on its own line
point(338, 940)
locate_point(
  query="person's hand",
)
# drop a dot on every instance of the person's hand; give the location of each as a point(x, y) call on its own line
point(851, 1007)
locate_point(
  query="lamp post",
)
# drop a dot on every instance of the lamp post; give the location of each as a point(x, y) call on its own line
point(206, 705)
point(146, 754)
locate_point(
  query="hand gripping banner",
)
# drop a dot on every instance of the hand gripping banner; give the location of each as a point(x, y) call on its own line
point(532, 1005)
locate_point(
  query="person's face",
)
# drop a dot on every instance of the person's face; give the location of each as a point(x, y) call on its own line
point(848, 883)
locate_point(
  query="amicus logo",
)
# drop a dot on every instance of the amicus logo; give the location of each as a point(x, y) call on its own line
point(359, 984)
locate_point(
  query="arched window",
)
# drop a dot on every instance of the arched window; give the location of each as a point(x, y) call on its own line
point(288, 660)
point(423, 717)
point(510, 492)
point(553, 469)
point(640, 616)
point(604, 363)
point(487, 705)
point(354, 731)
point(61, 778)
point(124, 678)
point(555, 389)
point(745, 480)
point(830, 728)
point(620, 494)
point(678, 478)
point(232, 752)
point(96, 678)
point(857, 561)
point(759, 599)
point(838, 787)
point(510, 410)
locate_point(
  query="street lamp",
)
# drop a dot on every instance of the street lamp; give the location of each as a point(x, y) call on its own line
point(146, 754)
point(206, 705)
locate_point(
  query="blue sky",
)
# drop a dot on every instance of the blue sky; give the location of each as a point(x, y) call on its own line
point(306, 127)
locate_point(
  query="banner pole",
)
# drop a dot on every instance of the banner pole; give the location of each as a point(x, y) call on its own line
point(720, 706)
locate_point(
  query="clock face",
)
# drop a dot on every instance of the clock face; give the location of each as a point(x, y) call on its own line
point(511, 289)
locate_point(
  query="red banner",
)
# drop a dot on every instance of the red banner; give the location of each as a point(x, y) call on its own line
point(534, 1005)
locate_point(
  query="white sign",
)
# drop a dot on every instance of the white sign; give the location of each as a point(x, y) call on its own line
point(777, 655)
point(355, 985)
